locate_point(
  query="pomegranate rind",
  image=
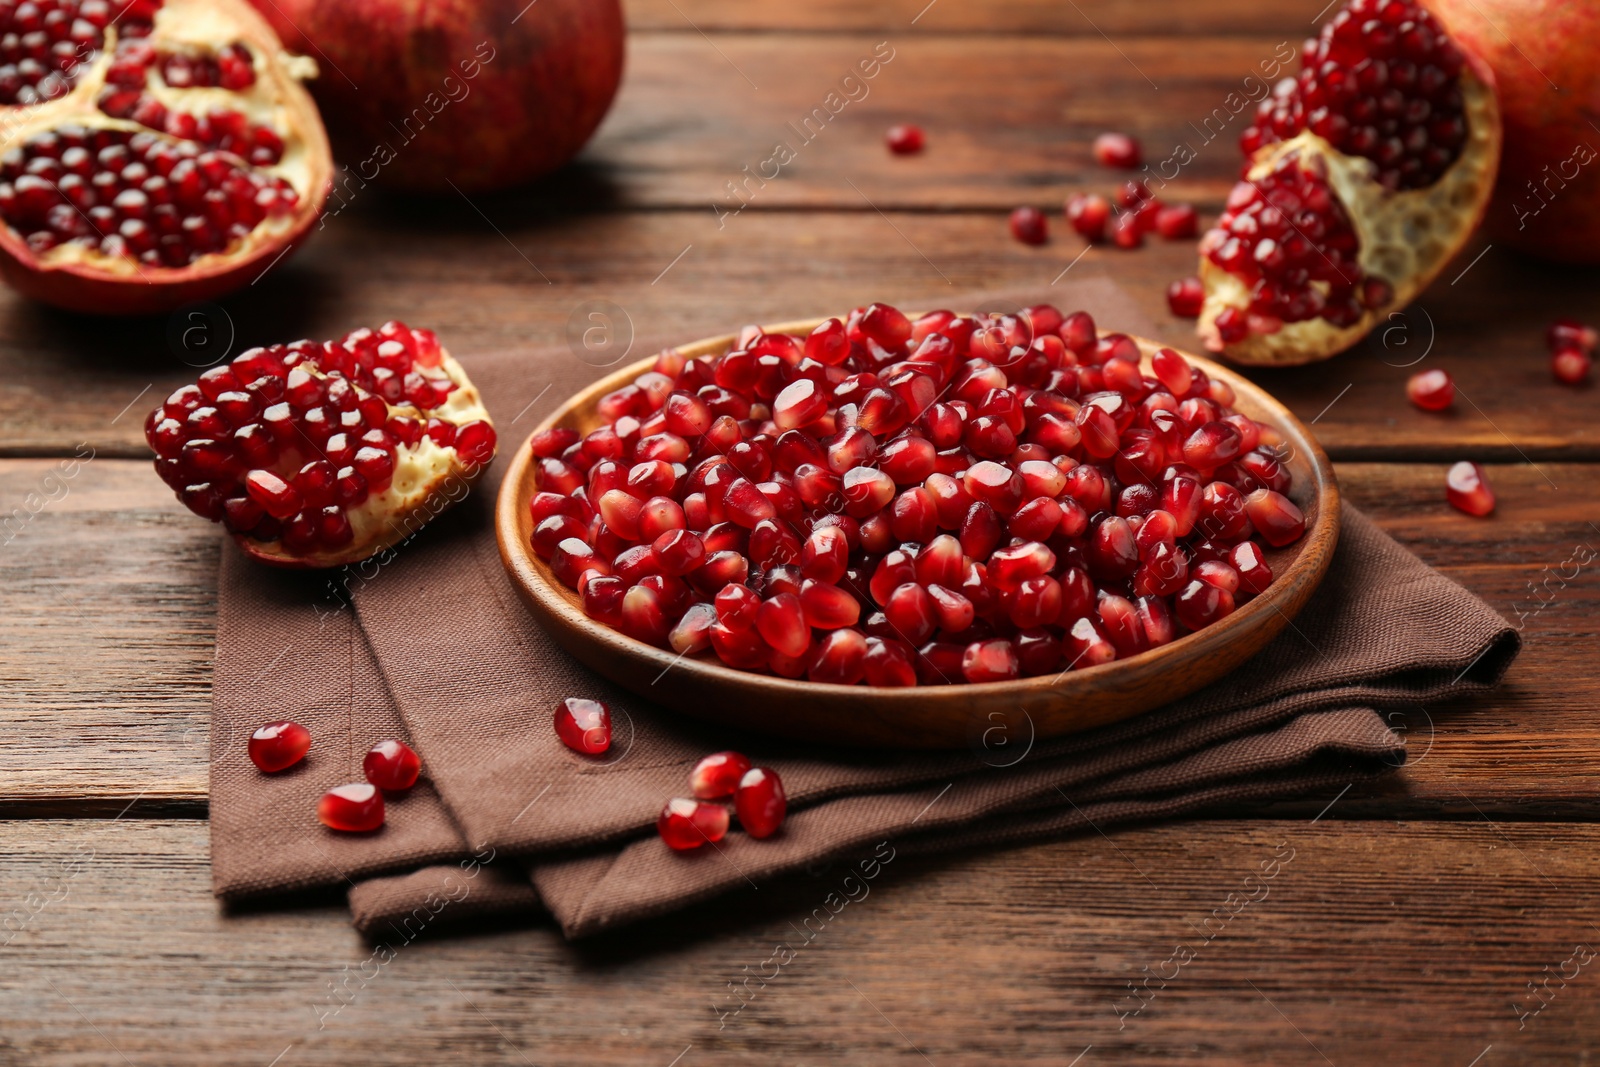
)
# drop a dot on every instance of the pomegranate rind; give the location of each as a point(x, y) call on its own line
point(97, 284)
point(1407, 238)
point(428, 481)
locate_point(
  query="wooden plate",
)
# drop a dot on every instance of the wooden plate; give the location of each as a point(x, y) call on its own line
point(932, 716)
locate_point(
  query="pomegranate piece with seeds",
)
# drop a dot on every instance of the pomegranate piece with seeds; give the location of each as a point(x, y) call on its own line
point(1364, 176)
point(904, 140)
point(686, 824)
point(314, 454)
point(279, 745)
point(1046, 483)
point(1467, 488)
point(161, 151)
point(759, 801)
point(1028, 225)
point(392, 765)
point(1431, 390)
point(355, 808)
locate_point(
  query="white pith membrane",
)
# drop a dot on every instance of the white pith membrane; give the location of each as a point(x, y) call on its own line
point(1406, 238)
point(419, 492)
point(276, 100)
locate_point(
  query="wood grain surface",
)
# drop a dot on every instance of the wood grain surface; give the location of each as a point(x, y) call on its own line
point(1426, 919)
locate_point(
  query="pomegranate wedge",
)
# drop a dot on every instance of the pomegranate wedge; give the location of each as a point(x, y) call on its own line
point(318, 454)
point(1365, 175)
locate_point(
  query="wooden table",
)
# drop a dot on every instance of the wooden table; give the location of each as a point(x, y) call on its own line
point(1445, 916)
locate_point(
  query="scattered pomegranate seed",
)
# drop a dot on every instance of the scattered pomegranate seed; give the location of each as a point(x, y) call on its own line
point(279, 745)
point(718, 775)
point(1127, 231)
point(1028, 225)
point(1117, 150)
point(1570, 366)
point(904, 140)
point(353, 808)
point(1431, 390)
point(1185, 298)
point(1467, 488)
point(902, 502)
point(392, 765)
point(1088, 215)
point(584, 725)
point(1570, 333)
point(760, 803)
point(686, 824)
point(1177, 222)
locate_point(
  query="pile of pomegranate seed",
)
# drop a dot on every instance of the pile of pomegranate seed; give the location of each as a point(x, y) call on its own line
point(163, 202)
point(758, 800)
point(1431, 390)
point(47, 45)
point(584, 725)
point(896, 502)
point(1381, 81)
point(279, 745)
point(290, 443)
point(1572, 347)
point(904, 140)
point(1285, 231)
point(1467, 488)
point(1117, 150)
point(1028, 225)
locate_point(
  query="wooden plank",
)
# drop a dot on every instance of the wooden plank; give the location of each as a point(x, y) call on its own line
point(1083, 18)
point(66, 381)
point(1403, 943)
point(107, 614)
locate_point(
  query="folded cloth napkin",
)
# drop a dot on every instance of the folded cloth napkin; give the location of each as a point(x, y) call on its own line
point(430, 643)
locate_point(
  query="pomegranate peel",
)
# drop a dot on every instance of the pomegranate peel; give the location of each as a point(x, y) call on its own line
point(74, 270)
point(1405, 236)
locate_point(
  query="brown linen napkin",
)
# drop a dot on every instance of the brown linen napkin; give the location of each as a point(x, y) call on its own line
point(446, 655)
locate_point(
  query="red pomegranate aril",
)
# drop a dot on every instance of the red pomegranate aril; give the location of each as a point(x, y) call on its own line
point(1275, 517)
point(392, 765)
point(353, 808)
point(572, 559)
point(1088, 215)
point(888, 664)
point(1087, 645)
point(1127, 231)
point(1251, 564)
point(1185, 299)
point(827, 607)
point(1117, 150)
point(1570, 333)
point(760, 802)
point(1177, 222)
point(584, 725)
point(1029, 226)
point(990, 661)
point(279, 745)
point(840, 658)
point(1468, 490)
point(911, 613)
point(1431, 390)
point(904, 140)
point(783, 625)
point(718, 775)
point(686, 824)
point(1570, 366)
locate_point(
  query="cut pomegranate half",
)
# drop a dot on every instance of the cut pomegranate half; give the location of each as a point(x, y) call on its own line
point(318, 454)
point(1365, 175)
point(159, 152)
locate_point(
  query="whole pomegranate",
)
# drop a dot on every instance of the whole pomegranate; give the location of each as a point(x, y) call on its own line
point(482, 94)
point(1547, 201)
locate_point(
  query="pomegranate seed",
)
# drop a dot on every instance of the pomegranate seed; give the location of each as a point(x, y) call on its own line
point(686, 824)
point(1467, 488)
point(1570, 366)
point(1254, 573)
point(904, 140)
point(1431, 390)
point(584, 725)
point(1177, 222)
point(718, 775)
point(840, 658)
point(1117, 150)
point(1088, 215)
point(279, 745)
point(392, 765)
point(1275, 517)
point(1185, 299)
point(353, 808)
point(1570, 333)
point(760, 803)
point(989, 661)
point(888, 664)
point(783, 624)
point(1028, 225)
point(1201, 604)
point(1126, 231)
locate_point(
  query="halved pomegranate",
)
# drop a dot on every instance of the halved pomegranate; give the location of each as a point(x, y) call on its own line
point(157, 152)
point(1365, 176)
point(318, 454)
